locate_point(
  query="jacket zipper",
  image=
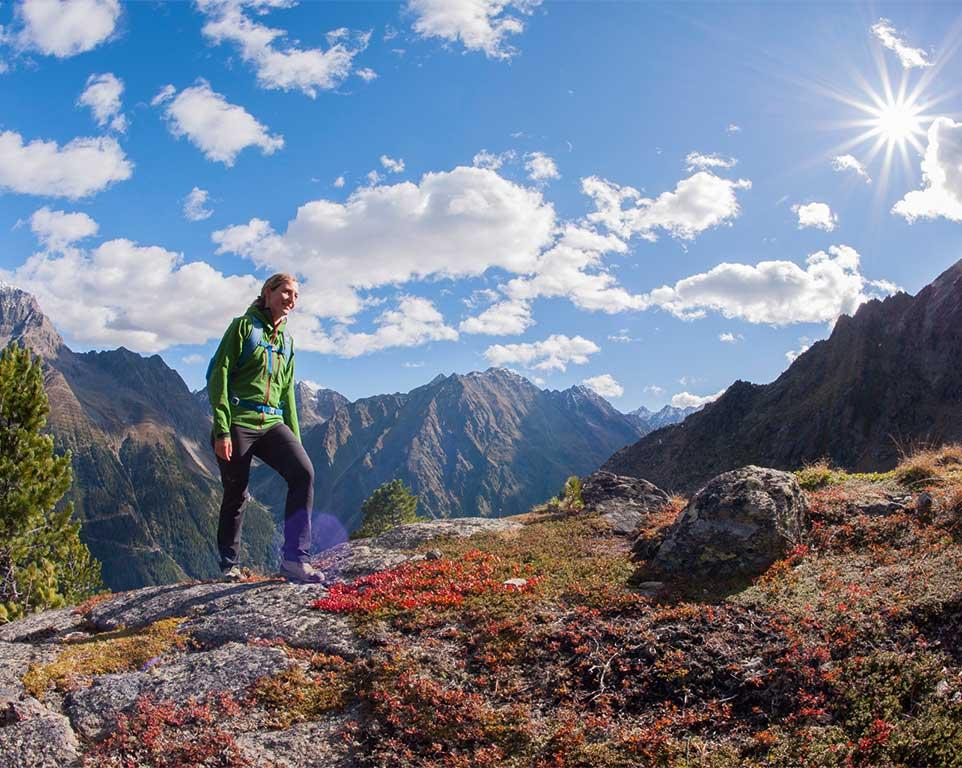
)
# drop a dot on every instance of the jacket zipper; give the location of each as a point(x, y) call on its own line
point(267, 392)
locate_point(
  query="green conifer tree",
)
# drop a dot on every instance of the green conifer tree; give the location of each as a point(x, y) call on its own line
point(390, 505)
point(43, 563)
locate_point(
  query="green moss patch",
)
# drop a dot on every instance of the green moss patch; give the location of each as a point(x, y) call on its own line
point(119, 651)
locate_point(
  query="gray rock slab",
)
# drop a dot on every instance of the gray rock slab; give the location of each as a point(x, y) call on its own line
point(46, 626)
point(275, 611)
point(15, 660)
point(361, 557)
point(623, 502)
point(230, 668)
point(221, 612)
point(141, 607)
point(31, 736)
point(304, 745)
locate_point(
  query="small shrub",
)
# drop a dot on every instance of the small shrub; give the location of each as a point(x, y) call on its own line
point(818, 475)
point(431, 584)
point(419, 721)
point(931, 465)
point(571, 494)
point(391, 505)
point(168, 735)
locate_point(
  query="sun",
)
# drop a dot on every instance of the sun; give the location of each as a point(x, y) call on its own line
point(898, 122)
point(888, 120)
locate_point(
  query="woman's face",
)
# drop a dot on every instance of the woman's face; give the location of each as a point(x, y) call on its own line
point(282, 299)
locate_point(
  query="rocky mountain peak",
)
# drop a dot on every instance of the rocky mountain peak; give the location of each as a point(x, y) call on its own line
point(315, 405)
point(23, 322)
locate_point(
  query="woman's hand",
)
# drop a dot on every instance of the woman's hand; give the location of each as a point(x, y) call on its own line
point(223, 448)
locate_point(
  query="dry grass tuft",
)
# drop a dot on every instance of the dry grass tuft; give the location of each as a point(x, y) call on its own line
point(930, 466)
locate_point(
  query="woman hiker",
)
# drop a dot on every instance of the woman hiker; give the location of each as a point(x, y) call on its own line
point(250, 382)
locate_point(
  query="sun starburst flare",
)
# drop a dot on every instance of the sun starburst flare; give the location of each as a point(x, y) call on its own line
point(891, 122)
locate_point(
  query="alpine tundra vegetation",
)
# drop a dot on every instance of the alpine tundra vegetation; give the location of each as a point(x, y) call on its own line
point(538, 641)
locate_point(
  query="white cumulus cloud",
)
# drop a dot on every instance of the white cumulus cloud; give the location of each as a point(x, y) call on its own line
point(415, 321)
point(730, 338)
point(688, 400)
point(195, 205)
point(573, 268)
point(698, 203)
point(102, 95)
point(480, 25)
point(366, 74)
point(554, 353)
point(941, 193)
point(282, 66)
point(56, 229)
point(774, 292)
point(506, 318)
point(455, 224)
point(698, 161)
point(842, 163)
point(77, 169)
point(889, 37)
point(216, 127)
point(540, 167)
point(391, 165)
point(120, 293)
point(605, 385)
point(492, 161)
point(815, 215)
point(64, 28)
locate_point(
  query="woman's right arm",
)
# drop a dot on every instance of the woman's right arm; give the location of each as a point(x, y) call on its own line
point(226, 355)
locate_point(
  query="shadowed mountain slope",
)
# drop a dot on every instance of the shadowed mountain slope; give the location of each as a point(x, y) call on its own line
point(488, 444)
point(886, 380)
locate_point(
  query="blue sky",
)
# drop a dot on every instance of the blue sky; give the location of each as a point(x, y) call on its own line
point(656, 199)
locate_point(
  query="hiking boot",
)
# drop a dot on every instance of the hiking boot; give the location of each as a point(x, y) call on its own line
point(231, 573)
point(302, 572)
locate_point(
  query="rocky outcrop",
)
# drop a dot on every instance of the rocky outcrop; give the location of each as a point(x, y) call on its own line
point(354, 559)
point(884, 381)
point(736, 526)
point(236, 634)
point(623, 502)
point(230, 668)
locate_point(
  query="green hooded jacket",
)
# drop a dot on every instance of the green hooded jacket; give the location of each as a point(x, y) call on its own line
point(251, 381)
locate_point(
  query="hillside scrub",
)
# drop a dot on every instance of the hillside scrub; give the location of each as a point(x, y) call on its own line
point(846, 653)
point(529, 648)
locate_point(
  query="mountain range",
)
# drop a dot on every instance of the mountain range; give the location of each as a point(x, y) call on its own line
point(147, 490)
point(888, 380)
point(649, 421)
point(486, 443)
